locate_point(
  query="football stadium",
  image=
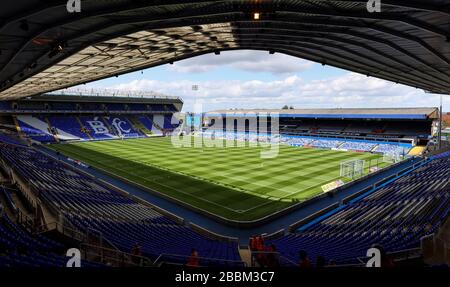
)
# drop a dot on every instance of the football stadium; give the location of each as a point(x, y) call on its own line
point(101, 178)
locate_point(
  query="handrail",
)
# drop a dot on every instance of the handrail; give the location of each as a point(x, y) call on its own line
point(159, 260)
point(24, 220)
point(404, 254)
point(70, 232)
point(111, 93)
point(91, 251)
point(280, 257)
point(111, 256)
point(89, 231)
point(407, 251)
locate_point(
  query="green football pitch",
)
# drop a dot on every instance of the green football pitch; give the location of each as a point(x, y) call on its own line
point(233, 181)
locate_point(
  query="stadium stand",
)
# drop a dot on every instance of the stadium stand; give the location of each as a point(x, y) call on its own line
point(19, 248)
point(116, 107)
point(359, 146)
point(85, 204)
point(298, 141)
point(68, 128)
point(79, 116)
point(62, 106)
point(96, 127)
point(89, 204)
point(158, 108)
point(5, 106)
point(139, 125)
point(391, 148)
point(160, 239)
point(146, 121)
point(8, 199)
point(398, 123)
point(324, 143)
point(168, 123)
point(10, 140)
point(137, 107)
point(122, 127)
point(95, 107)
point(47, 46)
point(395, 215)
point(34, 128)
point(402, 149)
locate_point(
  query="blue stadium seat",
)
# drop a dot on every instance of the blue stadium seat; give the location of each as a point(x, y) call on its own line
point(90, 204)
point(396, 216)
point(69, 125)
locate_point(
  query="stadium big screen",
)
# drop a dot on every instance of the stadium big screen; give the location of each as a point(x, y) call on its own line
point(233, 134)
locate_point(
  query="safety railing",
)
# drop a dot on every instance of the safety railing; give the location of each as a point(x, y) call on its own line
point(64, 230)
point(395, 256)
point(176, 259)
point(111, 93)
point(113, 257)
point(270, 259)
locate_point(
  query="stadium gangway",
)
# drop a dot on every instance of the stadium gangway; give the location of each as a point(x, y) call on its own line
point(112, 257)
point(181, 260)
point(67, 229)
point(97, 253)
point(24, 220)
point(64, 230)
point(282, 260)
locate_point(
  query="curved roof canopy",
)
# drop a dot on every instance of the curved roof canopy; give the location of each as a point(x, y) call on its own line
point(44, 48)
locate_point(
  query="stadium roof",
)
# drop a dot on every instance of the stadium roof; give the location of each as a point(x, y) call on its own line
point(45, 48)
point(374, 113)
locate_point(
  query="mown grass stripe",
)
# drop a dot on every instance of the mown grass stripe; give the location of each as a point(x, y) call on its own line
point(233, 182)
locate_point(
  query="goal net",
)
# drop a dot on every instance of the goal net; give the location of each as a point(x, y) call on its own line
point(352, 168)
point(392, 157)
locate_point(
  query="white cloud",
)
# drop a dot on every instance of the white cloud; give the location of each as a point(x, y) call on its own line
point(250, 61)
point(348, 90)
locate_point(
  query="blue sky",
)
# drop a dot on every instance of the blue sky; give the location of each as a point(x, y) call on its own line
point(256, 79)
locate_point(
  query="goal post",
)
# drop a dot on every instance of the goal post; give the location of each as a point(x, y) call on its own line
point(392, 157)
point(353, 168)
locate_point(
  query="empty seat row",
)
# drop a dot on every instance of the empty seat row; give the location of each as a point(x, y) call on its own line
point(396, 216)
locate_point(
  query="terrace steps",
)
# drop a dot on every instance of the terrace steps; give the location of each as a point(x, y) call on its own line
point(374, 148)
point(340, 145)
point(417, 150)
point(6, 208)
point(16, 123)
point(20, 205)
point(46, 215)
point(84, 128)
point(139, 126)
point(50, 128)
point(246, 255)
